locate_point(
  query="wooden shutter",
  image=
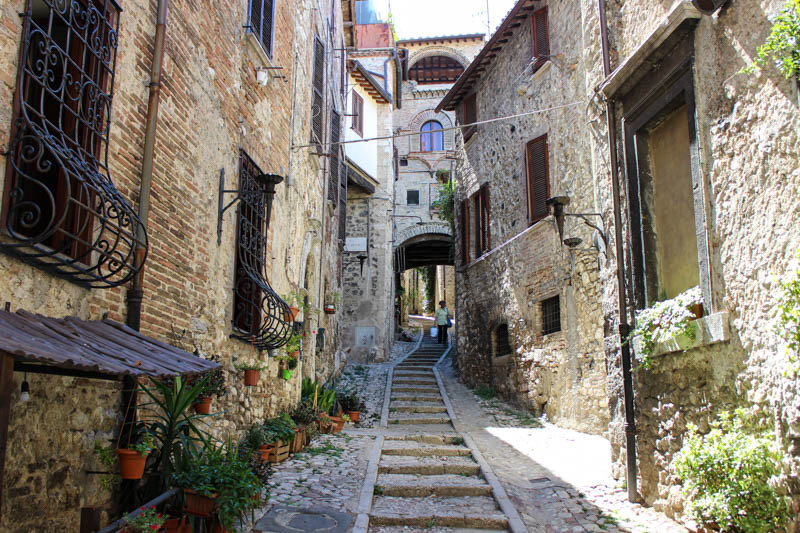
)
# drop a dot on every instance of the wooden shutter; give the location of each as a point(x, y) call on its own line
point(465, 231)
point(317, 103)
point(342, 201)
point(261, 22)
point(469, 114)
point(358, 113)
point(485, 211)
point(476, 217)
point(538, 178)
point(333, 168)
point(541, 37)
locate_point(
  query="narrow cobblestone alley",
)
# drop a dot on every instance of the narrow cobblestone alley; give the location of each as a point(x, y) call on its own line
point(435, 456)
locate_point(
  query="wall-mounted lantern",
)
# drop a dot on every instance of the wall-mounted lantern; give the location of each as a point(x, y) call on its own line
point(707, 7)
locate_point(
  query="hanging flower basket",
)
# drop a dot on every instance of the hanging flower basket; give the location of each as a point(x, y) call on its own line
point(286, 374)
point(131, 463)
point(329, 309)
point(203, 406)
point(251, 377)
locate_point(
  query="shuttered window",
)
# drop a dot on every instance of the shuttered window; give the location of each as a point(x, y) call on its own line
point(262, 16)
point(538, 179)
point(485, 211)
point(317, 101)
point(469, 115)
point(342, 201)
point(358, 114)
point(333, 168)
point(541, 38)
point(465, 231)
point(477, 219)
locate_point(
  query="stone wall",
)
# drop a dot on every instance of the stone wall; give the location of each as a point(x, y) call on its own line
point(562, 374)
point(747, 134)
point(211, 106)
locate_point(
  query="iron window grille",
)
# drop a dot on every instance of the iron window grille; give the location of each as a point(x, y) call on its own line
point(260, 316)
point(551, 315)
point(61, 211)
point(260, 22)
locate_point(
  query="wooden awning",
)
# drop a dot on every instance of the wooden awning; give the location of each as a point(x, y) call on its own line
point(368, 82)
point(94, 348)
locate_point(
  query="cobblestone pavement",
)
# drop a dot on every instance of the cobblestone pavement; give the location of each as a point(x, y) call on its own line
point(558, 480)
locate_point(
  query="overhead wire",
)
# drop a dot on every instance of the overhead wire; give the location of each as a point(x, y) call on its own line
point(411, 134)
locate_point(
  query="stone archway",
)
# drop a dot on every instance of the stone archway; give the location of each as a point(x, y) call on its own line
point(445, 51)
point(442, 118)
point(434, 229)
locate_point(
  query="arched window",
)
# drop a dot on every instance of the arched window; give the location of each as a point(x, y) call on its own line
point(432, 138)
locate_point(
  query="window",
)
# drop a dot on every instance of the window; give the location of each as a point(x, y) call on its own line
point(60, 208)
point(435, 69)
point(358, 114)
point(538, 170)
point(317, 102)
point(342, 202)
point(432, 137)
point(477, 212)
point(404, 162)
point(465, 231)
point(502, 344)
point(486, 244)
point(551, 316)
point(333, 166)
point(261, 18)
point(469, 115)
point(541, 38)
point(412, 197)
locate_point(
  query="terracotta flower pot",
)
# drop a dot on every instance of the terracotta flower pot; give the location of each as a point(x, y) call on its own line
point(199, 505)
point(291, 316)
point(338, 423)
point(251, 377)
point(203, 406)
point(131, 463)
point(354, 416)
point(265, 450)
point(177, 525)
point(295, 354)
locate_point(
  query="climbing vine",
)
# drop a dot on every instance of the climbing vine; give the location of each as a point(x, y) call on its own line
point(429, 277)
point(783, 44)
point(789, 315)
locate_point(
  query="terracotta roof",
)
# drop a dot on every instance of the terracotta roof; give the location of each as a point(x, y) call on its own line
point(368, 82)
point(101, 347)
point(514, 19)
point(464, 37)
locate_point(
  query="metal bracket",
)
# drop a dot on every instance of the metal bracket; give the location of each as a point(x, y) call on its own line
point(239, 193)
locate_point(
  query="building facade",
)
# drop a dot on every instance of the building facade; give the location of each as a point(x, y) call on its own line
point(241, 92)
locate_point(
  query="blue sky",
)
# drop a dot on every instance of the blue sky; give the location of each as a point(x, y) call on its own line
point(428, 18)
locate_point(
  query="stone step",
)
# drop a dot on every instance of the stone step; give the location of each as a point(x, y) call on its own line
point(429, 465)
point(406, 529)
point(417, 408)
point(415, 388)
point(410, 486)
point(429, 438)
point(419, 418)
point(422, 449)
point(466, 511)
point(416, 364)
point(410, 397)
point(413, 381)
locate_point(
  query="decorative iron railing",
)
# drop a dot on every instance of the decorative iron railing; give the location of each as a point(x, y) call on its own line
point(260, 316)
point(61, 211)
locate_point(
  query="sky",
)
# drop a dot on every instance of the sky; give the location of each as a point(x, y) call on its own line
point(429, 18)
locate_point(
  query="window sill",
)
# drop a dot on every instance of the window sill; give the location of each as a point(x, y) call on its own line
point(258, 50)
point(711, 329)
point(525, 87)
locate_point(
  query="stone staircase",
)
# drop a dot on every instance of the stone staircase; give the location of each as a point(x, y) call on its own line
point(426, 476)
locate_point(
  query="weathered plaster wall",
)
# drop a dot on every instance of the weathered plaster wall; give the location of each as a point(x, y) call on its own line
point(211, 106)
point(562, 374)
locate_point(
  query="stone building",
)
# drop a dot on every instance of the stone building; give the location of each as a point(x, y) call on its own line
point(372, 94)
point(425, 146)
point(85, 180)
point(528, 305)
point(696, 187)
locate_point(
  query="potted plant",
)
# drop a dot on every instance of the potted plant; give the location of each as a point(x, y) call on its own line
point(146, 520)
point(177, 525)
point(296, 300)
point(214, 386)
point(331, 301)
point(251, 369)
point(218, 482)
point(133, 458)
point(256, 441)
point(351, 404)
point(280, 431)
point(287, 364)
point(294, 343)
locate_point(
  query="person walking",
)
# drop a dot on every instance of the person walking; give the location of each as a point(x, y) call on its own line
point(443, 322)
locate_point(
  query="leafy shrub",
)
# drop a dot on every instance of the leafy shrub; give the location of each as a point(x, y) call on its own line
point(789, 314)
point(304, 414)
point(350, 401)
point(783, 43)
point(726, 476)
point(485, 392)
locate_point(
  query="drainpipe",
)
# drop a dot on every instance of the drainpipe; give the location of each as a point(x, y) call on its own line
point(624, 327)
point(135, 293)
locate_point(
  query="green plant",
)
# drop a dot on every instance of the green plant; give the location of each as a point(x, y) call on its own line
point(297, 298)
point(429, 277)
point(146, 521)
point(789, 315)
point(485, 392)
point(782, 44)
point(175, 428)
point(214, 379)
point(223, 472)
point(350, 401)
point(256, 437)
point(665, 321)
point(145, 444)
point(445, 204)
point(291, 363)
point(250, 364)
point(304, 414)
point(280, 428)
point(333, 298)
point(108, 458)
point(294, 342)
point(727, 475)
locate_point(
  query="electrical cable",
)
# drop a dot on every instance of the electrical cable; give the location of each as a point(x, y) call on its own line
point(410, 134)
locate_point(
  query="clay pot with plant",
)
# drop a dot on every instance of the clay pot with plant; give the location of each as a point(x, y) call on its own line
point(214, 387)
point(351, 404)
point(296, 300)
point(252, 369)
